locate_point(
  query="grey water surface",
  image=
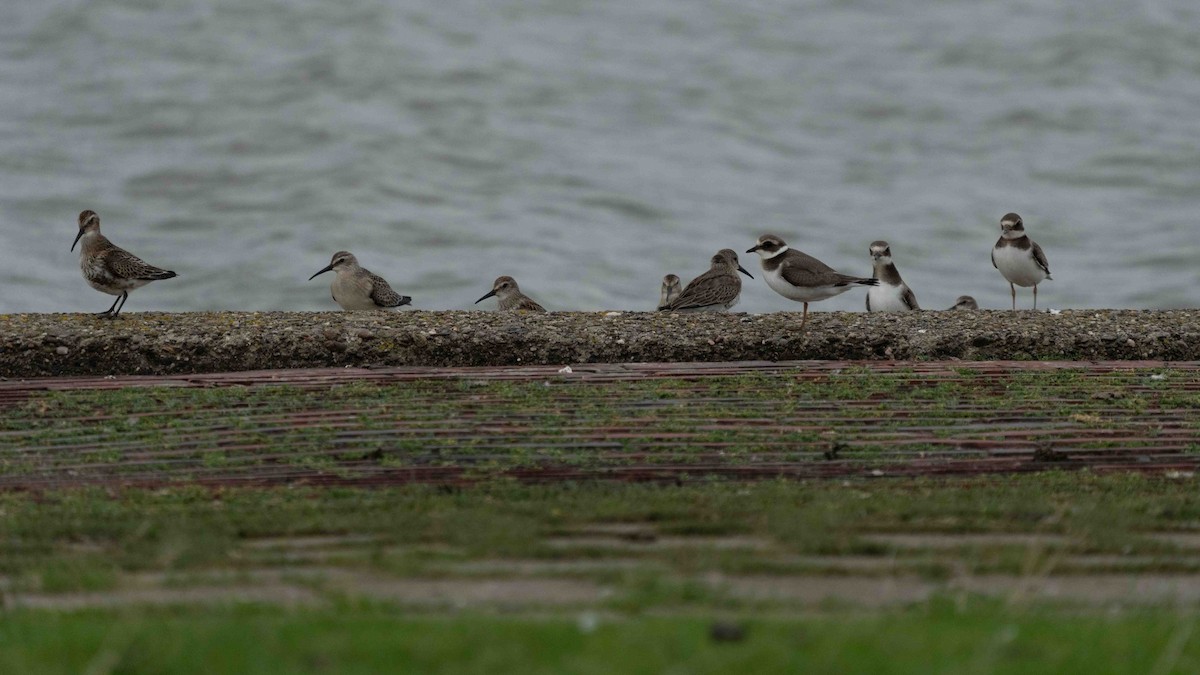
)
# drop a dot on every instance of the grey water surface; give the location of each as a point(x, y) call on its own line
point(588, 147)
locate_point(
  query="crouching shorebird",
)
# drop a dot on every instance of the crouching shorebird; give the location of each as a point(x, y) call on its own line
point(510, 297)
point(1018, 258)
point(716, 290)
point(801, 277)
point(670, 290)
point(965, 302)
point(892, 294)
point(109, 268)
point(355, 288)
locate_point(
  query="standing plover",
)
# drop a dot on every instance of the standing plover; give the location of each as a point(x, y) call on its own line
point(801, 277)
point(355, 288)
point(892, 294)
point(510, 297)
point(670, 290)
point(1018, 258)
point(716, 290)
point(965, 302)
point(109, 268)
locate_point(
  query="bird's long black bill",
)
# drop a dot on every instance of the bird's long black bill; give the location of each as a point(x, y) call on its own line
point(77, 238)
point(323, 271)
point(752, 250)
point(743, 271)
point(489, 294)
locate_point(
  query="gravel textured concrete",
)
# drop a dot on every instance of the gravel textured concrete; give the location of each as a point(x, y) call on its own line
point(152, 343)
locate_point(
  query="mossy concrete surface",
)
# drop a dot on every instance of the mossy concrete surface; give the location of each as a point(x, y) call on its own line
point(158, 343)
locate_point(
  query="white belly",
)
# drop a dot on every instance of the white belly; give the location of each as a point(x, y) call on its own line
point(798, 293)
point(351, 295)
point(99, 278)
point(1018, 266)
point(887, 298)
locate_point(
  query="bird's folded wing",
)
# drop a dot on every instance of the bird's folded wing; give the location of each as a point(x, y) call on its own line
point(383, 295)
point(526, 303)
point(125, 265)
point(909, 298)
point(1039, 257)
point(707, 290)
point(801, 269)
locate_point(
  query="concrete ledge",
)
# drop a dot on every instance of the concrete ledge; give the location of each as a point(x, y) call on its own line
point(72, 344)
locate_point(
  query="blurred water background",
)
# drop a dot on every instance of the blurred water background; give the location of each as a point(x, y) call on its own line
point(587, 148)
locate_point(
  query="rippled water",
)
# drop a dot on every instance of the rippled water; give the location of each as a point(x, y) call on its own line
point(587, 148)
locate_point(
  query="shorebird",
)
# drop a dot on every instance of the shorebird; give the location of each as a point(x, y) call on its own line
point(1018, 258)
point(801, 277)
point(965, 302)
point(716, 290)
point(355, 288)
point(670, 290)
point(892, 294)
point(510, 297)
point(109, 268)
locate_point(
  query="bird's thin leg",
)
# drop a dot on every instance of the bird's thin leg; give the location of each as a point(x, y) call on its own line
point(804, 318)
point(123, 298)
point(1014, 294)
point(1035, 297)
point(109, 311)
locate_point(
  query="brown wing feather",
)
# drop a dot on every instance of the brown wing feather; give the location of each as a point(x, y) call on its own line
point(714, 287)
point(801, 269)
point(383, 295)
point(909, 299)
point(125, 265)
point(1039, 257)
point(526, 303)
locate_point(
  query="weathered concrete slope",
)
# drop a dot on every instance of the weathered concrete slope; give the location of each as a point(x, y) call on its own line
point(71, 344)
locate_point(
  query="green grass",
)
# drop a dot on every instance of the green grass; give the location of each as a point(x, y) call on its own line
point(80, 538)
point(73, 544)
point(935, 637)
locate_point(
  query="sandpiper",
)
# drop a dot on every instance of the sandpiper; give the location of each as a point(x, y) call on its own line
point(670, 290)
point(801, 277)
point(109, 268)
point(892, 294)
point(716, 290)
point(965, 302)
point(510, 297)
point(356, 288)
point(1018, 258)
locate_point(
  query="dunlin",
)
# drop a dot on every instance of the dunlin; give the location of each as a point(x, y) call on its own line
point(109, 268)
point(716, 290)
point(670, 290)
point(355, 288)
point(510, 297)
point(965, 302)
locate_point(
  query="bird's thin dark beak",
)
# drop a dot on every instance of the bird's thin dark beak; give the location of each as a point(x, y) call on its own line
point(752, 250)
point(323, 271)
point(743, 271)
point(489, 294)
point(77, 238)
